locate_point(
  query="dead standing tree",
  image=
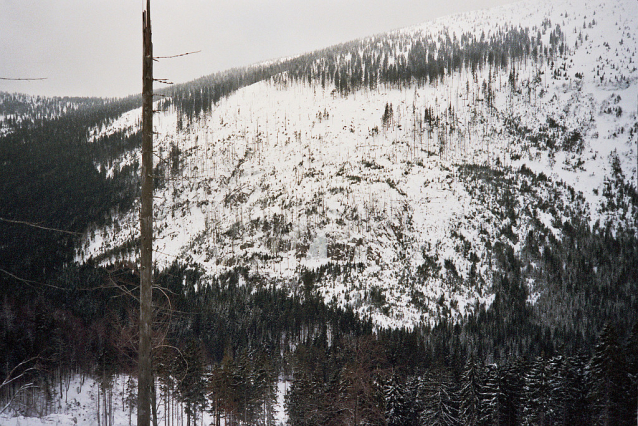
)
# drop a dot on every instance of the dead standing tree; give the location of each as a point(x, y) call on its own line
point(145, 380)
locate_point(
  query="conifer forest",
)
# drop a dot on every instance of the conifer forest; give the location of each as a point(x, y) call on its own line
point(433, 226)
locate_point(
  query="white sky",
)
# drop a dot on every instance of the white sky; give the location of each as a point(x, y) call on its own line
point(93, 47)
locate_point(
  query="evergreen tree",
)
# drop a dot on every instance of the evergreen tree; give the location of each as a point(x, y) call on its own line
point(388, 115)
point(439, 399)
point(360, 394)
point(265, 389)
point(608, 380)
point(501, 394)
point(537, 407)
point(631, 351)
point(221, 390)
point(414, 395)
point(192, 385)
point(470, 410)
point(576, 409)
point(395, 403)
point(493, 397)
point(303, 402)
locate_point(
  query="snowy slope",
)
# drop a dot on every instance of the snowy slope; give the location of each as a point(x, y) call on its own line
point(17, 109)
point(283, 176)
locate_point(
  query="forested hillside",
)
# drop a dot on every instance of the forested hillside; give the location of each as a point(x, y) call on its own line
point(437, 225)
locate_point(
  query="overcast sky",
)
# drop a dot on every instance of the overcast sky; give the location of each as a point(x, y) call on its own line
point(93, 47)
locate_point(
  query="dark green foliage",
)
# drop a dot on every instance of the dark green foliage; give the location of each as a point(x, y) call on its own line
point(631, 353)
point(589, 273)
point(438, 393)
point(575, 406)
point(49, 179)
point(341, 384)
point(609, 380)
point(471, 409)
point(501, 395)
point(396, 406)
point(546, 391)
point(191, 384)
point(304, 404)
point(542, 381)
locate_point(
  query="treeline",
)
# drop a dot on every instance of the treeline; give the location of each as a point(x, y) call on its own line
point(19, 110)
point(394, 59)
point(232, 335)
point(224, 343)
point(360, 383)
point(52, 190)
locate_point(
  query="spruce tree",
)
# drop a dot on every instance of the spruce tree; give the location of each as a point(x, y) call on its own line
point(192, 386)
point(576, 407)
point(471, 409)
point(537, 393)
point(395, 403)
point(439, 399)
point(608, 385)
point(631, 354)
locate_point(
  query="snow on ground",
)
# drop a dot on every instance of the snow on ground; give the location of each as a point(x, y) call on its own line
point(284, 175)
point(127, 124)
point(76, 403)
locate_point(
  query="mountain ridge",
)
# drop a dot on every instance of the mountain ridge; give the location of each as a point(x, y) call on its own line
point(343, 162)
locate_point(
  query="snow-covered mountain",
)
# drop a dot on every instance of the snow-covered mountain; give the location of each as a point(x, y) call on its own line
point(396, 191)
point(19, 109)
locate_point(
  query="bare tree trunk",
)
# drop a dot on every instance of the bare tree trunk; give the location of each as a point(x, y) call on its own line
point(98, 404)
point(146, 228)
point(154, 400)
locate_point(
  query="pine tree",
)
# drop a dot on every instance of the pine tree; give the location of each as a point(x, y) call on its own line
point(631, 351)
point(395, 403)
point(360, 394)
point(192, 385)
point(265, 390)
point(608, 376)
point(500, 394)
point(492, 397)
point(470, 410)
point(303, 402)
point(413, 394)
point(575, 405)
point(537, 393)
point(439, 399)
point(388, 115)
point(221, 390)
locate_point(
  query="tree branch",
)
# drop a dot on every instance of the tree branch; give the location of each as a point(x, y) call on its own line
point(33, 225)
point(12, 377)
point(15, 395)
point(31, 283)
point(175, 56)
point(22, 79)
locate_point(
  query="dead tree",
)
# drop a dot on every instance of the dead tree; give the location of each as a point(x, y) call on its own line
point(145, 380)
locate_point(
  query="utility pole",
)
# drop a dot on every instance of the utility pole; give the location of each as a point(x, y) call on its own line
point(145, 380)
